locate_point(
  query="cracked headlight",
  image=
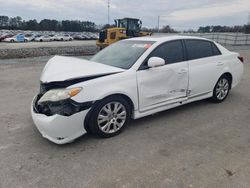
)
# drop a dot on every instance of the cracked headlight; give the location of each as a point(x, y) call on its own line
point(55, 95)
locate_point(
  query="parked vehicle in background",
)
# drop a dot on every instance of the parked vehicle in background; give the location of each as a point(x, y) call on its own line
point(93, 36)
point(30, 37)
point(45, 38)
point(87, 36)
point(79, 37)
point(53, 37)
point(65, 37)
point(5, 35)
point(131, 78)
point(16, 38)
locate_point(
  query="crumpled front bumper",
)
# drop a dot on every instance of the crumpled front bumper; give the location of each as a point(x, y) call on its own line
point(58, 128)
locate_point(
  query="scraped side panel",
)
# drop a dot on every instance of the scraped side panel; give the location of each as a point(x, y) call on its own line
point(162, 84)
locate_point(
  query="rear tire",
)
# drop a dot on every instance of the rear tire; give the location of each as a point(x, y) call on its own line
point(221, 89)
point(109, 117)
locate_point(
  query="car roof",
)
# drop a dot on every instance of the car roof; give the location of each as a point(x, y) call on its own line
point(165, 38)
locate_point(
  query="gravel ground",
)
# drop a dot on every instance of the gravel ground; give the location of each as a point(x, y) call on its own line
point(5, 45)
point(193, 146)
point(36, 49)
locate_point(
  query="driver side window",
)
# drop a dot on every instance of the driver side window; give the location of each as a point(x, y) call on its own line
point(171, 52)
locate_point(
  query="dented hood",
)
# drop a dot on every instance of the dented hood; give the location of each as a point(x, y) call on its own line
point(60, 68)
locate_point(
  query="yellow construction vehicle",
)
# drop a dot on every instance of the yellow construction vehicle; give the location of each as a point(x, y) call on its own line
point(124, 28)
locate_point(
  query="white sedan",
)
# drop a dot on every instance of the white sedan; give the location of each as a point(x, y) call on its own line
point(132, 78)
point(64, 38)
point(45, 38)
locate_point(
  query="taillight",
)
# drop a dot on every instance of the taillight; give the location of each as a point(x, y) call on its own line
point(241, 59)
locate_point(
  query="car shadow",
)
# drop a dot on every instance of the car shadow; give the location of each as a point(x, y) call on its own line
point(135, 124)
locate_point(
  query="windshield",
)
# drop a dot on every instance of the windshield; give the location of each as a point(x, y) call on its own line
point(122, 54)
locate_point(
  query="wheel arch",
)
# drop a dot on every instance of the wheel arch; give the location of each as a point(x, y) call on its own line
point(230, 76)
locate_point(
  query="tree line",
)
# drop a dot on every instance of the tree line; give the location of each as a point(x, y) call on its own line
point(206, 29)
point(46, 24)
point(78, 26)
point(218, 28)
point(164, 29)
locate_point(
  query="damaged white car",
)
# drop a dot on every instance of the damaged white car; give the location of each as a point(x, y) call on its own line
point(132, 78)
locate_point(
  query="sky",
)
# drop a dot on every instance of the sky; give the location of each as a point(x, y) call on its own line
point(179, 14)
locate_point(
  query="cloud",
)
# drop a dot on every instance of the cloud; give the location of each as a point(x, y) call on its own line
point(212, 11)
point(178, 13)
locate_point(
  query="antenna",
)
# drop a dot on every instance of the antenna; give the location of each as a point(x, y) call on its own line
point(108, 9)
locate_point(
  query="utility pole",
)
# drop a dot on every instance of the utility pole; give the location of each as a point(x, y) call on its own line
point(108, 10)
point(158, 24)
point(248, 19)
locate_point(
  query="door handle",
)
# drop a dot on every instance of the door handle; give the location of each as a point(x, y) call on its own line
point(220, 63)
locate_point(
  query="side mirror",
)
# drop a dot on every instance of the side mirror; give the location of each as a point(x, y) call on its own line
point(155, 62)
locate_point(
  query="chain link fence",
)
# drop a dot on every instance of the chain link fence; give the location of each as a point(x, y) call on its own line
point(234, 39)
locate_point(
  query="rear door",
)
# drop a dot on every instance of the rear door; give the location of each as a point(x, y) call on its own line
point(166, 84)
point(205, 65)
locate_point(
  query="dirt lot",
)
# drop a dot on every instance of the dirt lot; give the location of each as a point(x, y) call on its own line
point(196, 145)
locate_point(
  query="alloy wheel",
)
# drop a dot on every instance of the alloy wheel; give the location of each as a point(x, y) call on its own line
point(222, 88)
point(112, 117)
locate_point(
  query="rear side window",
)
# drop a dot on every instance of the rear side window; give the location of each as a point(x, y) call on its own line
point(199, 49)
point(216, 51)
point(171, 52)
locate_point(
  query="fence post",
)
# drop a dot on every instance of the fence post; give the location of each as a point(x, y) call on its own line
point(225, 38)
point(235, 39)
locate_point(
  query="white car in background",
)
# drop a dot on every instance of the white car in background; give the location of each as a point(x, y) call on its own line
point(53, 37)
point(43, 38)
point(30, 37)
point(132, 78)
point(64, 38)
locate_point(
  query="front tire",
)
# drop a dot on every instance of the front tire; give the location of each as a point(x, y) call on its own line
point(109, 117)
point(221, 89)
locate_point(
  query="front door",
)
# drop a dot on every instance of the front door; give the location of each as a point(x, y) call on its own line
point(165, 84)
